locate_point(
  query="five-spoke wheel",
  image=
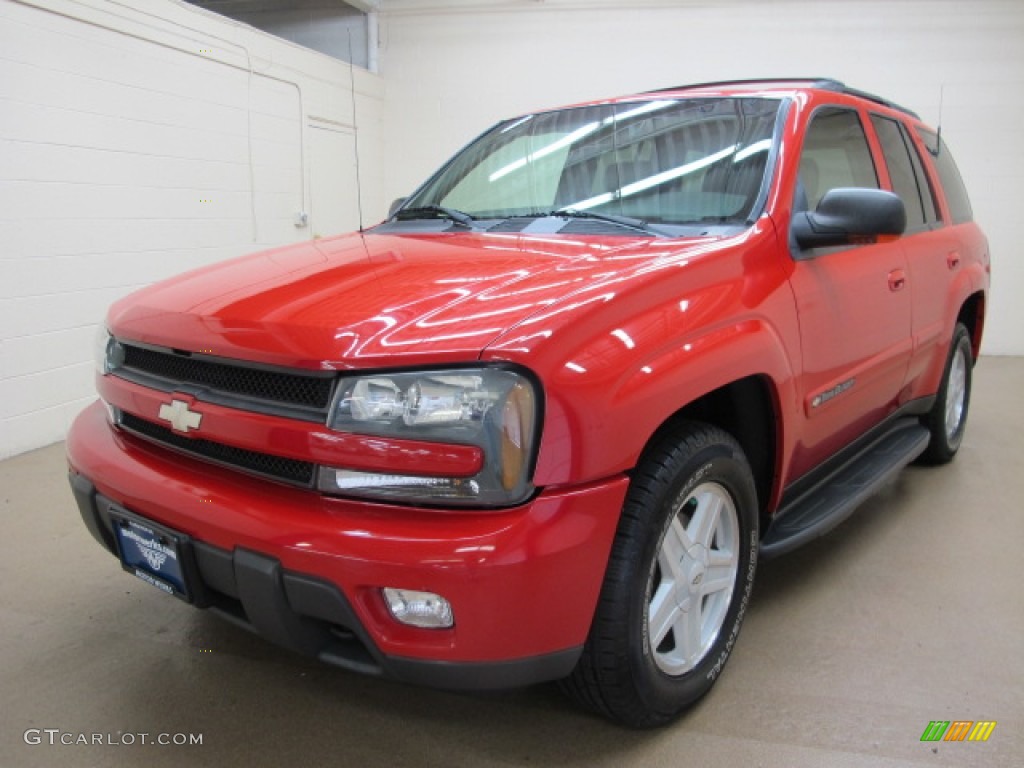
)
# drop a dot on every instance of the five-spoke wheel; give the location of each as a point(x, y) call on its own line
point(693, 579)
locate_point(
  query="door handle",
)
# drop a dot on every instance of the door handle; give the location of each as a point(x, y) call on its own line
point(953, 260)
point(897, 280)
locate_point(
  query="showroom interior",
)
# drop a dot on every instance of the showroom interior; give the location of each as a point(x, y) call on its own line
point(142, 139)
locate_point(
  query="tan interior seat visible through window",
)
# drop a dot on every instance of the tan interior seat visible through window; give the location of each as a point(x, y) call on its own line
point(808, 183)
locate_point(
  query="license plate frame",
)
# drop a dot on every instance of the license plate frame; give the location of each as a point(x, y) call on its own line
point(154, 553)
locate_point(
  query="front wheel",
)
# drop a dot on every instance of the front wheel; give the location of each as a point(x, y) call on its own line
point(678, 581)
point(948, 417)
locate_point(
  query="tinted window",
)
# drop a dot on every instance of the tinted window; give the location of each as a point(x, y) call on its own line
point(835, 154)
point(924, 183)
point(952, 184)
point(901, 169)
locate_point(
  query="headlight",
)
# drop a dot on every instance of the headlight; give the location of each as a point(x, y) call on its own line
point(108, 352)
point(492, 408)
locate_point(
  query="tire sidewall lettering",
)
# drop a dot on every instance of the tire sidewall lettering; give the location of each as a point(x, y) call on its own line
point(748, 589)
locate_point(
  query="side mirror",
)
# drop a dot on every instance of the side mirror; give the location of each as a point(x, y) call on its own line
point(848, 215)
point(399, 202)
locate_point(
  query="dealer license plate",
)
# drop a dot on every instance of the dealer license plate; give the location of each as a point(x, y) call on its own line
point(151, 552)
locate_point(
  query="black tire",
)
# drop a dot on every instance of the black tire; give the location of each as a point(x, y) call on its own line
point(620, 674)
point(947, 420)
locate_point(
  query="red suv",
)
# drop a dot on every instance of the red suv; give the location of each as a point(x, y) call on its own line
point(541, 422)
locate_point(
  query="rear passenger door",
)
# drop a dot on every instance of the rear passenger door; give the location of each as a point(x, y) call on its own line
point(934, 249)
point(854, 309)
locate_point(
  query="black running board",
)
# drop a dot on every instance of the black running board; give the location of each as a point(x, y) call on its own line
point(819, 509)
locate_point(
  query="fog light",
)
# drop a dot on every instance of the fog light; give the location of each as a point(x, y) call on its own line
point(419, 609)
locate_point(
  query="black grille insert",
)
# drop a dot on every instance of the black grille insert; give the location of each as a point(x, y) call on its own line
point(277, 467)
point(296, 389)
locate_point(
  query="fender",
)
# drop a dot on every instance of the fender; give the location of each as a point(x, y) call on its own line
point(971, 279)
point(679, 328)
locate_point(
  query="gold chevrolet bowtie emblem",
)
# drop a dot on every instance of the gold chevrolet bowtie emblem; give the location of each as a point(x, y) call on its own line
point(181, 418)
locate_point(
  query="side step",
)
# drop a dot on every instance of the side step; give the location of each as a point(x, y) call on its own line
point(820, 508)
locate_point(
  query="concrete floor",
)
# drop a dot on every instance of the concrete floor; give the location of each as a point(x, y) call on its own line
point(909, 612)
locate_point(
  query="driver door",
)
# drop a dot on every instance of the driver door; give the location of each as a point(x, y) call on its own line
point(853, 303)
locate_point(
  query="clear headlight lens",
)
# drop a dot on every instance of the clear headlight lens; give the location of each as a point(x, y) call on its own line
point(493, 408)
point(108, 353)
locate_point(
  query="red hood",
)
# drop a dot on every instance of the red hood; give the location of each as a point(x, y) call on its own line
point(338, 303)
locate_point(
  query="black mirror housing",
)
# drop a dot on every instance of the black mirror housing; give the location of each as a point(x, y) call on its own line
point(848, 214)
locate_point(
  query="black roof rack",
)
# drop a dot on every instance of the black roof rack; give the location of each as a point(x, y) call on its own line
point(879, 100)
point(816, 82)
point(823, 83)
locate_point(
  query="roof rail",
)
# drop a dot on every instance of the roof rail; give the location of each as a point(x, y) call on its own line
point(823, 83)
point(880, 100)
point(816, 82)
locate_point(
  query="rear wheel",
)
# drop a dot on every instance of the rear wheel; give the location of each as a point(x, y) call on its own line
point(948, 417)
point(678, 581)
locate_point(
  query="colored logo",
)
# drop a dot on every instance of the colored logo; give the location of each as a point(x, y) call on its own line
point(958, 730)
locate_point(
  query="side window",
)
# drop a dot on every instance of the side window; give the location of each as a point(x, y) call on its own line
point(952, 183)
point(924, 183)
point(835, 154)
point(901, 169)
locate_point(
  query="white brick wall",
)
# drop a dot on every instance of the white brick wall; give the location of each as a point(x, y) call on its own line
point(135, 143)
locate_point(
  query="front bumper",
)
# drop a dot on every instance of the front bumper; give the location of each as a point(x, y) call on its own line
point(305, 570)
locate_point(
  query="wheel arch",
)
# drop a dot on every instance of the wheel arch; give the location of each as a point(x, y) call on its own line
point(747, 409)
point(972, 315)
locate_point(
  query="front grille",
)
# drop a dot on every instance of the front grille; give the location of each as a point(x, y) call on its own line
point(280, 387)
point(276, 467)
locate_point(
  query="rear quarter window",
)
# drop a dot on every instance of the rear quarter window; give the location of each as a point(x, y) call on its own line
point(949, 176)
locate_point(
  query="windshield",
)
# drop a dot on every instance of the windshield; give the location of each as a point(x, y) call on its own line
point(670, 161)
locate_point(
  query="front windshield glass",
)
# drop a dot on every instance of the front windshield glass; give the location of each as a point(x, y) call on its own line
point(670, 161)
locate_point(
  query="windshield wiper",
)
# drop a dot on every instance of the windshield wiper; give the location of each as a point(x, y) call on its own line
point(623, 221)
point(459, 217)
